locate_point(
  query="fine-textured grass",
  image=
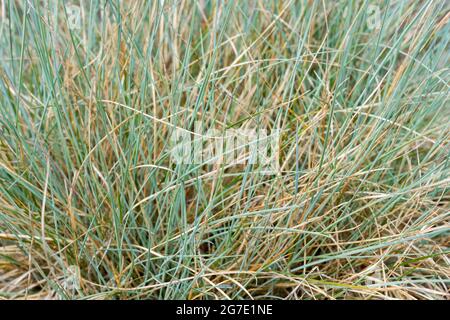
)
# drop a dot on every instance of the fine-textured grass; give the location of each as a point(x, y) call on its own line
point(89, 191)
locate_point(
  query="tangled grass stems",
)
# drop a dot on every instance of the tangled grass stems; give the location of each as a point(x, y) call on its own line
point(93, 205)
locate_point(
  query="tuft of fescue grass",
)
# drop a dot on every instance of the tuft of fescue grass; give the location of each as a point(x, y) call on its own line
point(93, 206)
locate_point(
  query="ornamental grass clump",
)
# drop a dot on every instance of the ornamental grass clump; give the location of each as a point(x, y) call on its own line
point(224, 149)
